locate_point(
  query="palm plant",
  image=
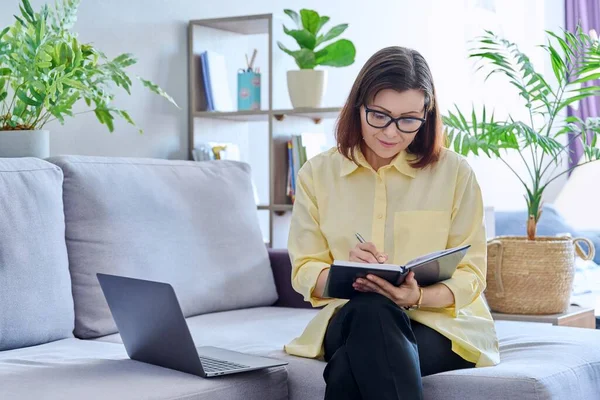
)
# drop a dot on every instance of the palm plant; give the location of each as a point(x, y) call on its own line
point(546, 137)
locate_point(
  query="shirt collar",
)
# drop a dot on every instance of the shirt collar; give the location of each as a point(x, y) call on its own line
point(400, 162)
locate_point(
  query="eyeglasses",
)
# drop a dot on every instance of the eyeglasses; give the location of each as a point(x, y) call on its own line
point(379, 119)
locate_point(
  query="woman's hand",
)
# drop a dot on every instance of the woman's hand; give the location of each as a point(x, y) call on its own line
point(405, 295)
point(367, 253)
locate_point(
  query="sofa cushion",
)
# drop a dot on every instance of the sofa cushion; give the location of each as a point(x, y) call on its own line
point(83, 369)
point(191, 224)
point(538, 361)
point(36, 305)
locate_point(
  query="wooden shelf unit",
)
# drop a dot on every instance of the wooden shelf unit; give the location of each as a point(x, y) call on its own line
point(261, 24)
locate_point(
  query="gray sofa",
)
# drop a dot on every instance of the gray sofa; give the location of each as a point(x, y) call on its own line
point(193, 225)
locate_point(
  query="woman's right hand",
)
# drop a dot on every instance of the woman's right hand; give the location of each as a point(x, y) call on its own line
point(363, 253)
point(367, 253)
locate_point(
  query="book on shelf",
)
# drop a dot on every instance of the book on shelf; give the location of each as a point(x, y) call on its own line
point(296, 158)
point(215, 82)
point(216, 151)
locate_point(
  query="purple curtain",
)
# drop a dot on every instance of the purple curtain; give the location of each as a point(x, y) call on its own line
point(587, 14)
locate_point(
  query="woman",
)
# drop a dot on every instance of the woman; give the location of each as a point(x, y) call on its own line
point(390, 180)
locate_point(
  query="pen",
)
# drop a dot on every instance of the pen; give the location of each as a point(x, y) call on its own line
point(360, 238)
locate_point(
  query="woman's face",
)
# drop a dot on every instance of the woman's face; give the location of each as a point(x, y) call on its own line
point(387, 142)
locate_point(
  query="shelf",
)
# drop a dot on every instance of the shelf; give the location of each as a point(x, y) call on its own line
point(243, 116)
point(282, 207)
point(246, 25)
point(276, 207)
point(316, 114)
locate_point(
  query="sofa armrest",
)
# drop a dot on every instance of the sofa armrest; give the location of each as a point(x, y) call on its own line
point(282, 272)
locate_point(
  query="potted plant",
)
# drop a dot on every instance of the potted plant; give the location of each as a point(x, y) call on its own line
point(533, 274)
point(307, 85)
point(45, 71)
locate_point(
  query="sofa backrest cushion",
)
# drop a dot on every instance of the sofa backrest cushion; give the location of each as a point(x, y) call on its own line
point(36, 305)
point(191, 224)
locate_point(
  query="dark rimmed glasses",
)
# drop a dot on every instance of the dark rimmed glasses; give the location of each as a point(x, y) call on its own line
point(379, 119)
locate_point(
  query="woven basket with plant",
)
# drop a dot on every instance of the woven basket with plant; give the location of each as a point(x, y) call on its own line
point(532, 274)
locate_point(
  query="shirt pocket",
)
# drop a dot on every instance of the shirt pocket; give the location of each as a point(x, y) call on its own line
point(419, 232)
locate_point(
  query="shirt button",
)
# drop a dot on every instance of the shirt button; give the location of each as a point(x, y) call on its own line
point(379, 216)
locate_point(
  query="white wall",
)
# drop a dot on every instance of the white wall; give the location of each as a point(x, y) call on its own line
point(155, 31)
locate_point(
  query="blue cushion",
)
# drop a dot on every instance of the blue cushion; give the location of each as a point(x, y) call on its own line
point(551, 223)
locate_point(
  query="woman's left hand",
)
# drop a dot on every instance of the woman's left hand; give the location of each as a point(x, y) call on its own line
point(405, 295)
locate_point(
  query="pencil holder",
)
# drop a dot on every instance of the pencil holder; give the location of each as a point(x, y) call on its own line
point(248, 90)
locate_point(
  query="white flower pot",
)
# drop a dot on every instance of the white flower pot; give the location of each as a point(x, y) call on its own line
point(306, 87)
point(25, 144)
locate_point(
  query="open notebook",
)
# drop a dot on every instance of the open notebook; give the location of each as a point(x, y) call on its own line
point(429, 269)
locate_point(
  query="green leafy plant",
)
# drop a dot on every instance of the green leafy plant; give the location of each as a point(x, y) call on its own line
point(545, 137)
point(308, 35)
point(45, 71)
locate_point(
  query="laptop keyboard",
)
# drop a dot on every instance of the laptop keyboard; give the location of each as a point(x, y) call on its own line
point(213, 365)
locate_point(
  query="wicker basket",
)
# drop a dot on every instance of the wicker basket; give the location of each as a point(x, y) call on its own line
point(532, 276)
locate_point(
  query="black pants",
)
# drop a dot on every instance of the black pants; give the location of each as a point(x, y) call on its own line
point(374, 351)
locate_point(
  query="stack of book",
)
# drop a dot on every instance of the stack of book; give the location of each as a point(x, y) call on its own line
point(296, 158)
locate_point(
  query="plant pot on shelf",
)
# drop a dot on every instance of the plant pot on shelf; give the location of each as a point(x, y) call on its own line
point(532, 276)
point(306, 87)
point(25, 143)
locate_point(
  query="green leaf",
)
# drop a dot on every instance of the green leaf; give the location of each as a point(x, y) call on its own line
point(337, 54)
point(304, 38)
point(20, 20)
point(5, 71)
point(105, 117)
point(332, 34)
point(156, 89)
point(74, 84)
point(3, 32)
point(310, 20)
point(127, 118)
point(28, 8)
point(27, 17)
point(572, 100)
point(591, 77)
point(28, 100)
point(124, 60)
point(322, 22)
point(294, 16)
point(64, 54)
point(39, 95)
point(40, 31)
point(285, 49)
point(305, 59)
point(457, 142)
point(563, 44)
point(558, 65)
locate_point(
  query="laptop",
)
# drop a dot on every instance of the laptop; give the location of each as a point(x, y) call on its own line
point(154, 330)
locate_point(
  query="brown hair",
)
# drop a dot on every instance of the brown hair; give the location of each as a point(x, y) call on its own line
point(400, 69)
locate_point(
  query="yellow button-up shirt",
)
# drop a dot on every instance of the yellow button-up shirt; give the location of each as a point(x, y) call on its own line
point(405, 212)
